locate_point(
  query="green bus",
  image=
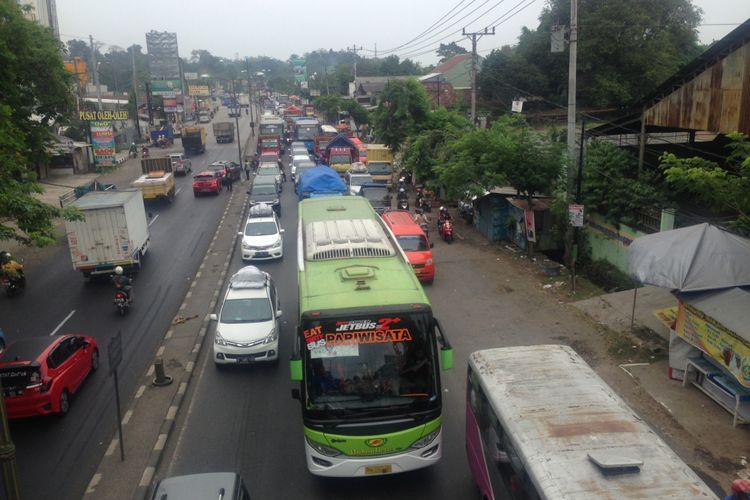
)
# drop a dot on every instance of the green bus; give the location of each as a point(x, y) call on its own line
point(368, 350)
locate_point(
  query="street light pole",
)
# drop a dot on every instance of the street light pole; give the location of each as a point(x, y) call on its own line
point(237, 125)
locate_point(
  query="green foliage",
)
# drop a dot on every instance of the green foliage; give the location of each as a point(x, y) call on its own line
point(330, 105)
point(426, 148)
point(508, 153)
point(494, 77)
point(448, 50)
point(607, 276)
point(625, 49)
point(402, 111)
point(724, 188)
point(611, 186)
point(35, 92)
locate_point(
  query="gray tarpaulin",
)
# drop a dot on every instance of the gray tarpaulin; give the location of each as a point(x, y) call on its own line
point(701, 257)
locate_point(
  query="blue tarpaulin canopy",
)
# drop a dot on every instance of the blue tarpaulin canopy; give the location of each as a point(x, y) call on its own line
point(320, 180)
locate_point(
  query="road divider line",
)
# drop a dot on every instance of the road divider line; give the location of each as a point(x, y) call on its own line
point(178, 191)
point(153, 220)
point(111, 447)
point(148, 474)
point(94, 483)
point(127, 417)
point(57, 328)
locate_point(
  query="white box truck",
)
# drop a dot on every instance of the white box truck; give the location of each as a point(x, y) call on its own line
point(113, 233)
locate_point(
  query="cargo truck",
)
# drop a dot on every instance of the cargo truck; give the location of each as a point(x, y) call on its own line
point(114, 232)
point(157, 181)
point(380, 163)
point(244, 100)
point(224, 132)
point(194, 140)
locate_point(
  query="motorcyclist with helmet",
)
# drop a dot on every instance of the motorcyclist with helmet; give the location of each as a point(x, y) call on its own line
point(12, 269)
point(123, 283)
point(443, 215)
point(422, 220)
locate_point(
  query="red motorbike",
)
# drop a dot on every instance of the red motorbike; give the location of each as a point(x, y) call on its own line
point(445, 230)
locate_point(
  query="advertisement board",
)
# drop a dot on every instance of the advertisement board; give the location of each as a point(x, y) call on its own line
point(104, 115)
point(299, 67)
point(103, 143)
point(191, 76)
point(528, 216)
point(199, 90)
point(721, 344)
point(575, 215)
point(166, 87)
point(169, 105)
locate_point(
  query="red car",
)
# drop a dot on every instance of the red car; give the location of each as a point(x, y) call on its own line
point(40, 374)
point(206, 182)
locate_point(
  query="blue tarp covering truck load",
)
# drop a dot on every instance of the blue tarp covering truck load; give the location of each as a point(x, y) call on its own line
point(321, 181)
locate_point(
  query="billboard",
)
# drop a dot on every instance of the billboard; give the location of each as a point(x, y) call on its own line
point(163, 56)
point(199, 90)
point(191, 76)
point(166, 87)
point(169, 104)
point(103, 115)
point(299, 67)
point(103, 143)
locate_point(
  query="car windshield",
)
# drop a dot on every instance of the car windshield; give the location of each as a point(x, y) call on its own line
point(260, 228)
point(376, 194)
point(268, 171)
point(269, 159)
point(378, 361)
point(341, 159)
point(264, 189)
point(203, 178)
point(216, 168)
point(268, 143)
point(415, 243)
point(358, 180)
point(246, 310)
point(376, 168)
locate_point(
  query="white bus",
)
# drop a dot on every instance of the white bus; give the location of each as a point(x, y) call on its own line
point(541, 424)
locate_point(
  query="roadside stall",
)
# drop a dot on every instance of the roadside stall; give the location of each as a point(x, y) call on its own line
point(708, 270)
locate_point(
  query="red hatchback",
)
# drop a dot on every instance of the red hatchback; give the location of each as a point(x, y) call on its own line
point(206, 182)
point(40, 374)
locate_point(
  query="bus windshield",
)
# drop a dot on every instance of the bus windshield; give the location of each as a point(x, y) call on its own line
point(370, 362)
point(306, 132)
point(266, 129)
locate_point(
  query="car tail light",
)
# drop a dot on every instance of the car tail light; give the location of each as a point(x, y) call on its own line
point(119, 295)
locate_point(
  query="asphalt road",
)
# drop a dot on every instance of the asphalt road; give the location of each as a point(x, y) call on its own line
point(245, 420)
point(57, 457)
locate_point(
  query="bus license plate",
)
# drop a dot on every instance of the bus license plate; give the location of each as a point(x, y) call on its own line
point(378, 469)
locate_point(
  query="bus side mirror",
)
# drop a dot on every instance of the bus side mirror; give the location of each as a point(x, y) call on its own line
point(295, 369)
point(446, 358)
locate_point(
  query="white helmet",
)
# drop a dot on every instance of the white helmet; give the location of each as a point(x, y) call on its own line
point(118, 270)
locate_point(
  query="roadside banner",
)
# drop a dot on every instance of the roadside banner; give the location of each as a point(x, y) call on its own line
point(103, 143)
point(575, 215)
point(166, 87)
point(199, 90)
point(528, 216)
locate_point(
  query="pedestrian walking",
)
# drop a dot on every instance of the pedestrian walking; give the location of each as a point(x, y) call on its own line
point(227, 180)
point(247, 169)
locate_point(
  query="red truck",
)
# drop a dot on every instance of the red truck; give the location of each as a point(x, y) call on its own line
point(269, 144)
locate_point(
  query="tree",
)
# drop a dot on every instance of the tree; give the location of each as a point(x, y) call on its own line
point(506, 65)
point(613, 188)
point(35, 93)
point(724, 189)
point(448, 50)
point(625, 49)
point(403, 108)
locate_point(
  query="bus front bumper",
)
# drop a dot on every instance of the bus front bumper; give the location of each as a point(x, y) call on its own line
point(344, 466)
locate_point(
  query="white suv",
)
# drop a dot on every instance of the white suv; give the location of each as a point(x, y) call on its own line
point(262, 237)
point(247, 328)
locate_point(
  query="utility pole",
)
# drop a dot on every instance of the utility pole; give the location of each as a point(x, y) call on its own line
point(135, 93)
point(474, 37)
point(572, 91)
point(354, 49)
point(237, 124)
point(96, 72)
point(250, 96)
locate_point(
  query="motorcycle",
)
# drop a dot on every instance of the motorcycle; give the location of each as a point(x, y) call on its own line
point(14, 285)
point(403, 204)
point(122, 301)
point(426, 228)
point(445, 230)
point(144, 153)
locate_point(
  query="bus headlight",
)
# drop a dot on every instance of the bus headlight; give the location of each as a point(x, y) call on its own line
point(322, 449)
point(422, 442)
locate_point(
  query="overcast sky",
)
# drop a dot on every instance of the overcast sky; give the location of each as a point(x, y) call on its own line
point(279, 28)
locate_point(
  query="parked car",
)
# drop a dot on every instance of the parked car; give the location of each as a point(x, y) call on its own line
point(261, 238)
point(265, 190)
point(298, 160)
point(226, 485)
point(247, 326)
point(206, 182)
point(180, 164)
point(40, 374)
point(235, 170)
point(204, 118)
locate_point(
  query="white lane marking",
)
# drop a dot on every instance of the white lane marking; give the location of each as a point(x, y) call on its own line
point(153, 220)
point(178, 191)
point(63, 322)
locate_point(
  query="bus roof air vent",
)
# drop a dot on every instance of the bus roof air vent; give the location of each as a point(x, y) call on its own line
point(346, 238)
point(614, 464)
